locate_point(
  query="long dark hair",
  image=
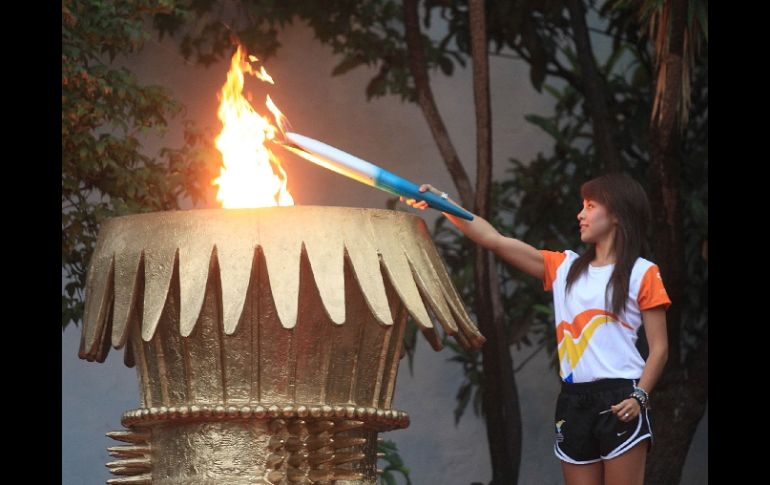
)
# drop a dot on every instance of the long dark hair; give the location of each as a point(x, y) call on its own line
point(625, 199)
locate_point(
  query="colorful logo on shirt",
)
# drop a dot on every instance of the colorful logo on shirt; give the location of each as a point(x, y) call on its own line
point(572, 338)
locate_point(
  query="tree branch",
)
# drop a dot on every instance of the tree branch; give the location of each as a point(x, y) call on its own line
point(558, 70)
point(604, 141)
point(427, 103)
point(481, 99)
point(500, 401)
point(529, 357)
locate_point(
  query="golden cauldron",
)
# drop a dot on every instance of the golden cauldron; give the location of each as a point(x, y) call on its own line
point(266, 341)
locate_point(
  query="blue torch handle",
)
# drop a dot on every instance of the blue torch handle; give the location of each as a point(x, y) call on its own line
point(365, 172)
point(400, 186)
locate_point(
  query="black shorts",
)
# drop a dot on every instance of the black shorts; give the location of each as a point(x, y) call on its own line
point(585, 436)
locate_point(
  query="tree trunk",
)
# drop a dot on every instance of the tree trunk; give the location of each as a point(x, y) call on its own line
point(500, 400)
point(682, 393)
point(593, 84)
point(665, 162)
point(425, 100)
point(678, 404)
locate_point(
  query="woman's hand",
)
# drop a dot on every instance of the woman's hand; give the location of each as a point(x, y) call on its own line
point(420, 204)
point(626, 410)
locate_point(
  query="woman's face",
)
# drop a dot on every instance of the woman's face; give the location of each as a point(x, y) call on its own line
point(596, 223)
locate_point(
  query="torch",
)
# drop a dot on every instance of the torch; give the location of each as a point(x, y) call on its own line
point(365, 172)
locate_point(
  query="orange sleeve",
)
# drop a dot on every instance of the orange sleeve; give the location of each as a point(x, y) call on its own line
point(552, 261)
point(652, 293)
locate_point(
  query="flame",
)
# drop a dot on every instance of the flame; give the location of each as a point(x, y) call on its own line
point(263, 75)
point(283, 123)
point(252, 175)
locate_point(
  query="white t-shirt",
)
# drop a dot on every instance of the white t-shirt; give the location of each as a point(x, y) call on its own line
point(593, 342)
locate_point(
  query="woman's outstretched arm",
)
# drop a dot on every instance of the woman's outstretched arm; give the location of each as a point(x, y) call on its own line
point(518, 254)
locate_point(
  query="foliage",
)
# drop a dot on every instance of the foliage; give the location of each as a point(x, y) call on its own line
point(394, 464)
point(106, 114)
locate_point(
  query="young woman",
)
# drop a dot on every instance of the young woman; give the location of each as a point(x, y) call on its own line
point(601, 298)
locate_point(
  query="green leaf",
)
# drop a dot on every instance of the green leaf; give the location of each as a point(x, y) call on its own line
point(546, 124)
point(612, 60)
point(446, 65)
point(376, 86)
point(346, 65)
point(537, 72)
point(394, 463)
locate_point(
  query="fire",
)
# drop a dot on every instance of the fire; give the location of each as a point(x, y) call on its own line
point(252, 175)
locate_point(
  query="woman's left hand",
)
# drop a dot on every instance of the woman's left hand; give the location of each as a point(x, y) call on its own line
point(626, 410)
point(420, 204)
